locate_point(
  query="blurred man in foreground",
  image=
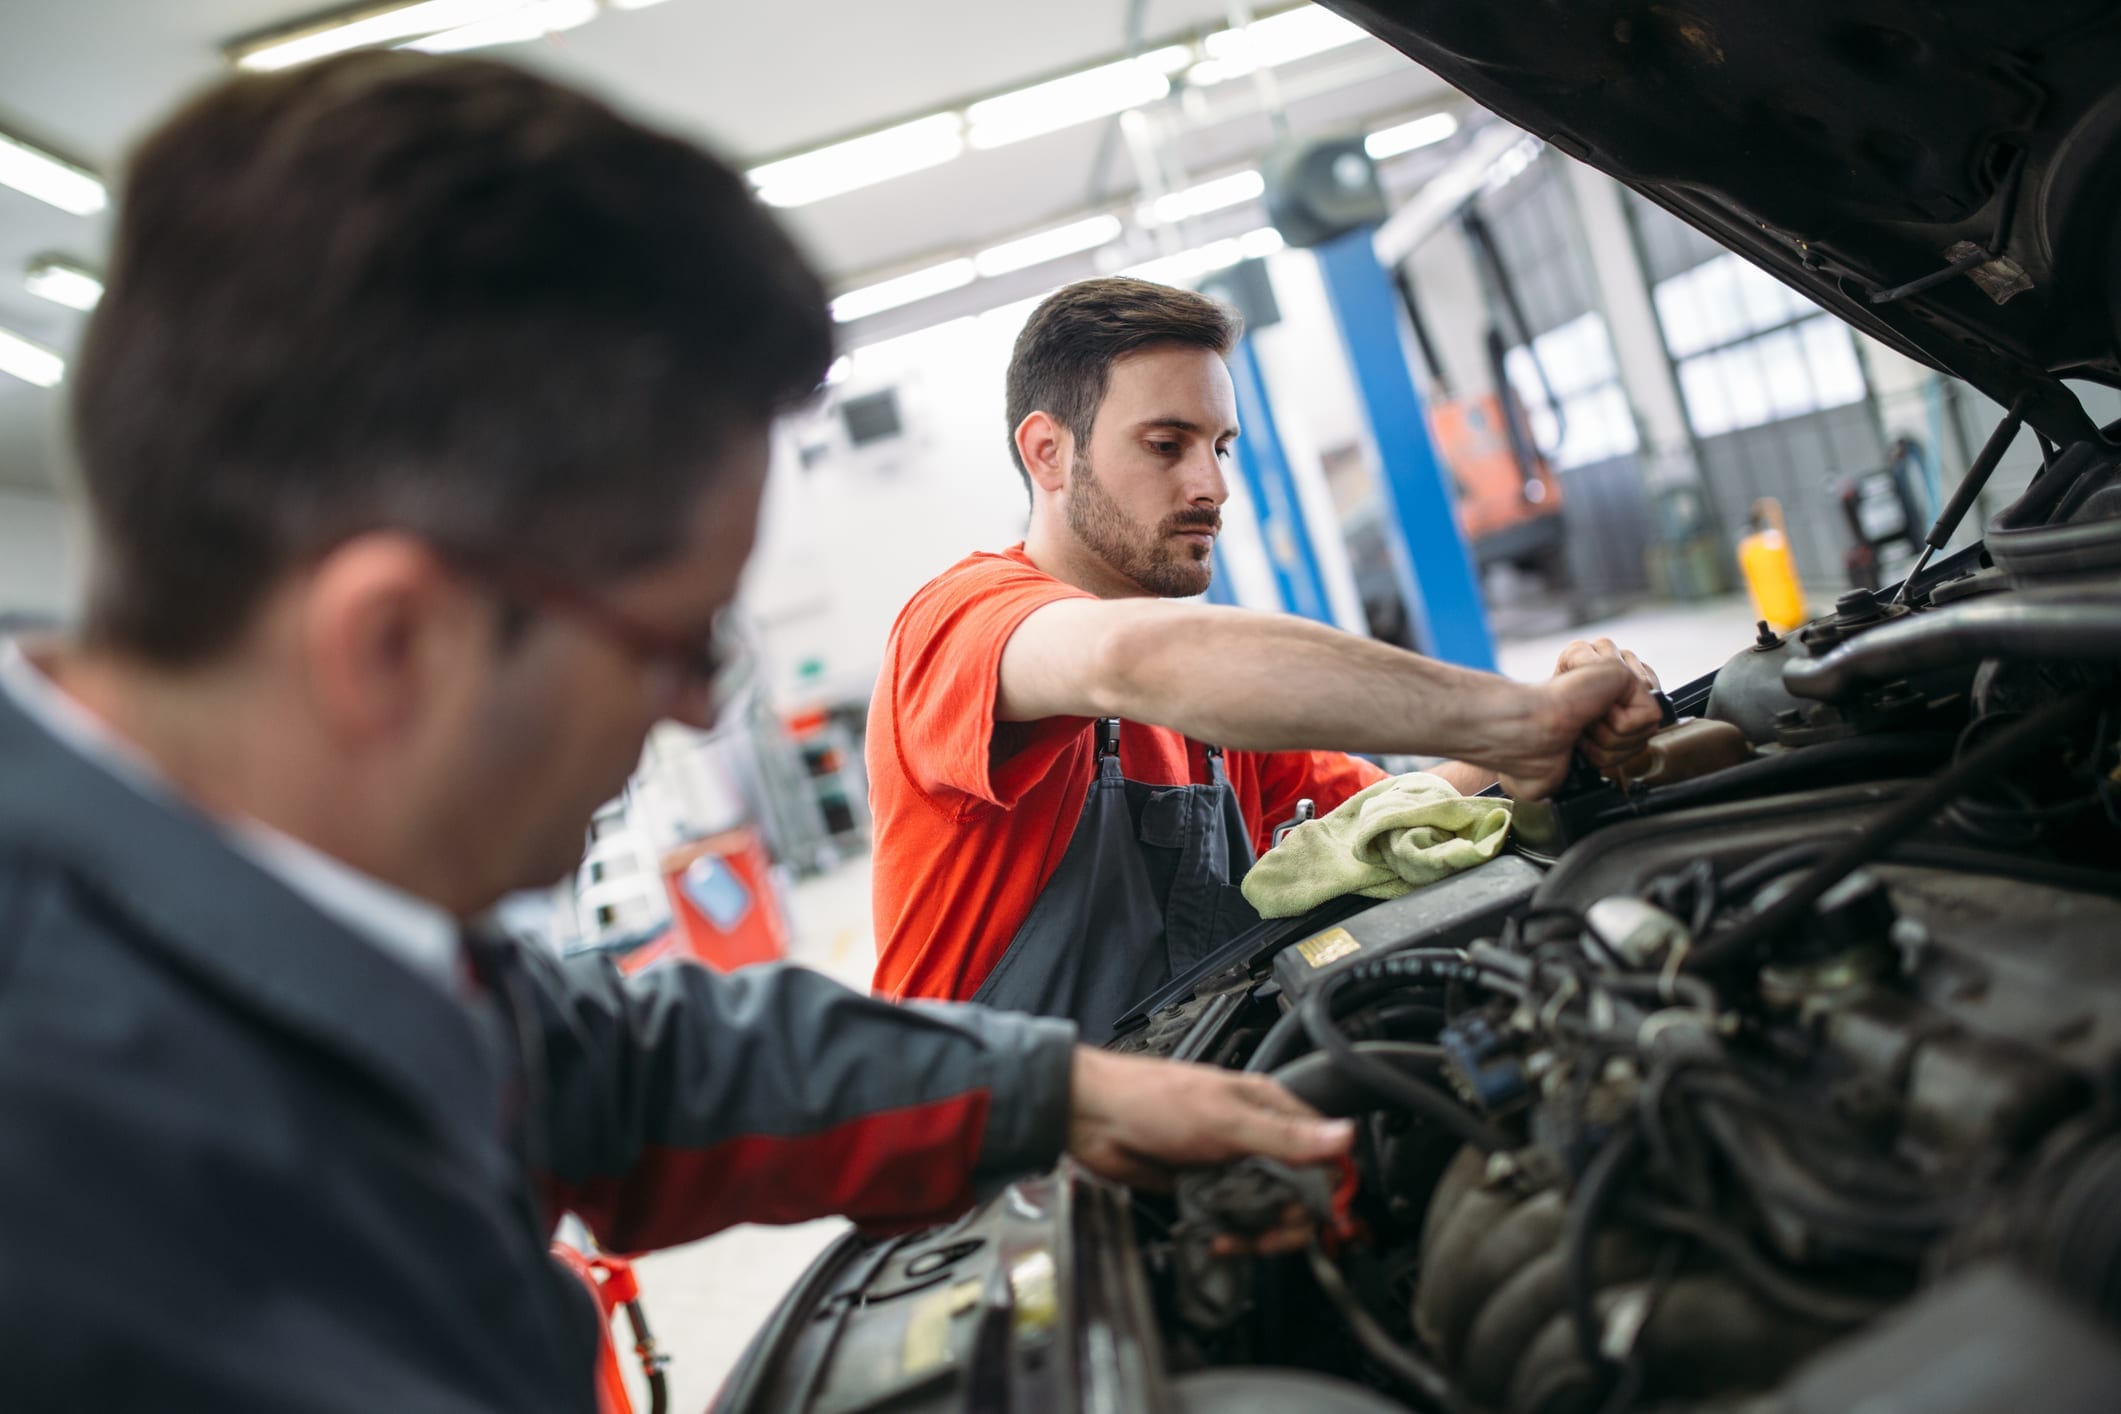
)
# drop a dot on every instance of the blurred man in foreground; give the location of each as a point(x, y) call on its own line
point(423, 427)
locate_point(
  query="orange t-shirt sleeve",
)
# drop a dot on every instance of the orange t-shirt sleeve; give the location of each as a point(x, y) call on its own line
point(1326, 778)
point(948, 678)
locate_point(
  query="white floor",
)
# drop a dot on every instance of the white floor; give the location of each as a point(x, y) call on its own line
point(706, 1301)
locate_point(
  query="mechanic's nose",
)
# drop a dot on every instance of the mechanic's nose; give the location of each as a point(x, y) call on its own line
point(1208, 485)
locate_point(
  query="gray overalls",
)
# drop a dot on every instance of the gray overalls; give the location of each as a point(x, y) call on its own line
point(1148, 887)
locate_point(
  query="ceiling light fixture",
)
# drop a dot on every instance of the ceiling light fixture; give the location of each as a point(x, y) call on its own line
point(531, 21)
point(1280, 39)
point(860, 162)
point(1027, 251)
point(50, 179)
point(903, 289)
point(1188, 266)
point(1076, 98)
point(63, 282)
point(372, 25)
point(31, 362)
point(1405, 137)
point(1208, 196)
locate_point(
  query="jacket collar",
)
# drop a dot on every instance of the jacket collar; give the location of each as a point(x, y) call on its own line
point(183, 893)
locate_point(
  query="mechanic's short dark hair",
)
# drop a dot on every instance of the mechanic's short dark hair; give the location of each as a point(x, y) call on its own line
point(1063, 358)
point(440, 295)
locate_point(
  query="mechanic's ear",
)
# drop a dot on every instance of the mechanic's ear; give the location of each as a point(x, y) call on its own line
point(1047, 448)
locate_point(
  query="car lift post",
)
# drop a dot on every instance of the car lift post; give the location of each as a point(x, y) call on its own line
point(1429, 555)
point(1272, 492)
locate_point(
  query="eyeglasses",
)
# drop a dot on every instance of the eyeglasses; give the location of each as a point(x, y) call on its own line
point(697, 680)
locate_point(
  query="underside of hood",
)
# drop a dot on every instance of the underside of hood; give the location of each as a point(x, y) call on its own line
point(1946, 176)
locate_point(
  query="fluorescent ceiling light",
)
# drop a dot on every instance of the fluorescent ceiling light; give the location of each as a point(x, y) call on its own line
point(903, 289)
point(631, 4)
point(1190, 265)
point(63, 283)
point(530, 21)
point(1390, 142)
point(49, 179)
point(32, 363)
point(362, 28)
point(860, 162)
point(1047, 245)
point(1282, 39)
point(1208, 196)
point(1077, 98)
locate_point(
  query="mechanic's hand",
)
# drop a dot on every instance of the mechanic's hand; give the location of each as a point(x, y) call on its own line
point(1546, 723)
point(1135, 1120)
point(1629, 723)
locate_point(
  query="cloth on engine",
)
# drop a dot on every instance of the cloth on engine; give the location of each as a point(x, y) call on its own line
point(1385, 841)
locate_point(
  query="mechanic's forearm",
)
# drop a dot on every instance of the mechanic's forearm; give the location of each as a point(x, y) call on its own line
point(1273, 682)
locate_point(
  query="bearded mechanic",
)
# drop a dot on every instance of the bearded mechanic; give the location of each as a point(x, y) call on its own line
point(1070, 771)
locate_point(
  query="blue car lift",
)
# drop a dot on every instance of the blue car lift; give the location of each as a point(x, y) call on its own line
point(1429, 557)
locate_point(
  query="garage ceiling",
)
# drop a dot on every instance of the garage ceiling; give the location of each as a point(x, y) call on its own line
point(754, 81)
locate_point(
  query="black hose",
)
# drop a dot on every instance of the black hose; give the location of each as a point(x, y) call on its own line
point(1594, 1194)
point(1278, 1046)
point(2020, 739)
point(1319, 1082)
point(1401, 1089)
point(1798, 1297)
point(1411, 1369)
point(2002, 627)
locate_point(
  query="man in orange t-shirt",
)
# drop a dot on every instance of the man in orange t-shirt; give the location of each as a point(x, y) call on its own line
point(1053, 831)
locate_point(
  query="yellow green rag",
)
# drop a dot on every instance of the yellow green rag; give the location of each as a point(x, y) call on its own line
point(1385, 841)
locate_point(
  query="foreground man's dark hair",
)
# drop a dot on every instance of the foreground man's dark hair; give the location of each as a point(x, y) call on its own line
point(1062, 362)
point(439, 295)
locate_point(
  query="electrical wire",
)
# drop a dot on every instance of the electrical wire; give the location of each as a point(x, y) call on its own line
point(1739, 944)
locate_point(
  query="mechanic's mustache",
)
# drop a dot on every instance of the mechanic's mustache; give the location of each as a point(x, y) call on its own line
point(1211, 521)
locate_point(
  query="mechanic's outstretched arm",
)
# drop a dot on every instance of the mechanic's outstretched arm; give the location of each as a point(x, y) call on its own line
point(684, 1101)
point(1274, 682)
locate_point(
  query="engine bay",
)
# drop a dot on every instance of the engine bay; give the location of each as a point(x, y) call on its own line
point(1779, 1074)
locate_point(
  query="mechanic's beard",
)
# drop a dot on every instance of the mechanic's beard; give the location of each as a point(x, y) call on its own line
point(1162, 565)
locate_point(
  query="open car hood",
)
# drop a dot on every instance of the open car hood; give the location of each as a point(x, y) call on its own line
point(1849, 147)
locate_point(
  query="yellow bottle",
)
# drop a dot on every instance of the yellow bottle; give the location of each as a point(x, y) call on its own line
point(1770, 571)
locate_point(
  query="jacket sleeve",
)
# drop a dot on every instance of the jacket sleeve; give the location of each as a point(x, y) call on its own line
point(682, 1101)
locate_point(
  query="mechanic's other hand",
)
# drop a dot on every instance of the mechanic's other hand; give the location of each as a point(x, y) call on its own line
point(1629, 723)
point(1135, 1120)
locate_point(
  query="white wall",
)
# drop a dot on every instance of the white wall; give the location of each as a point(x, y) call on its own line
point(845, 542)
point(40, 555)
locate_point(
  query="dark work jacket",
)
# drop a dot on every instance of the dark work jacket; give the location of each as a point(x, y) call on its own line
point(251, 1162)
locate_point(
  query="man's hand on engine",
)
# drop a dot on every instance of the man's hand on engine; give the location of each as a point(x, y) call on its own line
point(1629, 723)
point(1138, 1121)
point(1600, 701)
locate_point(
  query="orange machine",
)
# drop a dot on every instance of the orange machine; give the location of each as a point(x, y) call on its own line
point(725, 906)
point(1509, 500)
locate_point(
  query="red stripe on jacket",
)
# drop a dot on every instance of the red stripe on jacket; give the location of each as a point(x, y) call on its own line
point(904, 1167)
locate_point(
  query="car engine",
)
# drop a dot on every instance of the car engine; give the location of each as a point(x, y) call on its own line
point(1735, 1058)
point(1778, 1075)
